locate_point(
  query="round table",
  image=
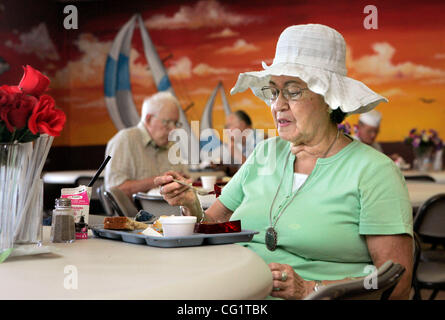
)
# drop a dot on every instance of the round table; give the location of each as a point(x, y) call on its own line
point(419, 192)
point(107, 269)
point(438, 176)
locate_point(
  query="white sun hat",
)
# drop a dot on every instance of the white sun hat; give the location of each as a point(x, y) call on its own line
point(371, 118)
point(316, 54)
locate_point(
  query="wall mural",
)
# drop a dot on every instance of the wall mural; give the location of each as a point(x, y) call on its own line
point(202, 46)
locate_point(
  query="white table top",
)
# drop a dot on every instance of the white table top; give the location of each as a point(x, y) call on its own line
point(419, 191)
point(108, 269)
point(67, 177)
point(439, 176)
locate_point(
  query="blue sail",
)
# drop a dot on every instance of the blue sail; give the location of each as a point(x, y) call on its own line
point(119, 99)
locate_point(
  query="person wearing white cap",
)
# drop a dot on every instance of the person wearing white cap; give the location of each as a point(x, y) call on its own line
point(325, 205)
point(368, 128)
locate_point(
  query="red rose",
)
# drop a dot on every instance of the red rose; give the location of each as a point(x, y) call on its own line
point(7, 96)
point(16, 113)
point(33, 82)
point(45, 118)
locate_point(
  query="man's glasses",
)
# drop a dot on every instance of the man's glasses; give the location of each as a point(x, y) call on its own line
point(171, 123)
point(291, 93)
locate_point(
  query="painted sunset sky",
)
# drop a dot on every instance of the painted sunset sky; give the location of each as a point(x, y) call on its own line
point(203, 42)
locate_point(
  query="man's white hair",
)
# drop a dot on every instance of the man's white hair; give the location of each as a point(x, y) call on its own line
point(153, 104)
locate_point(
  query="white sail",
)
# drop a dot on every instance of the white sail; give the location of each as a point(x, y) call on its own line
point(118, 96)
point(163, 84)
point(226, 106)
point(208, 135)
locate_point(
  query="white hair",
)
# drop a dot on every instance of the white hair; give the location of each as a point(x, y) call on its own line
point(153, 104)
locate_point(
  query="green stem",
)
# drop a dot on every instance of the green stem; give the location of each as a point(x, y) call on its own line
point(13, 136)
point(24, 134)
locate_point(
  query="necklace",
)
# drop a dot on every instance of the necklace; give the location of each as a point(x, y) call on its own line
point(271, 237)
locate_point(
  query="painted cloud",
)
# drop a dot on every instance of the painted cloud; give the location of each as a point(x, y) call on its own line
point(239, 47)
point(37, 41)
point(225, 33)
point(379, 68)
point(202, 14)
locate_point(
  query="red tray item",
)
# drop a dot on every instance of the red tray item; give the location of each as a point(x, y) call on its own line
point(225, 227)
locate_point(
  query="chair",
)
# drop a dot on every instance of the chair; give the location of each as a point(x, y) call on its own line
point(96, 205)
point(120, 203)
point(156, 205)
point(84, 180)
point(106, 204)
point(420, 178)
point(387, 277)
point(429, 225)
point(430, 218)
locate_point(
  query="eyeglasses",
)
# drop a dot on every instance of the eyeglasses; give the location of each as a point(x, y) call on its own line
point(171, 123)
point(292, 93)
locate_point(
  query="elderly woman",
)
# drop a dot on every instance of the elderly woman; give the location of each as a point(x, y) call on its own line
point(326, 205)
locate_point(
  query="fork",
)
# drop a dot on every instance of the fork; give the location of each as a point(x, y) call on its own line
point(200, 191)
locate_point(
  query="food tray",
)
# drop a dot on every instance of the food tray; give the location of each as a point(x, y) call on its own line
point(196, 239)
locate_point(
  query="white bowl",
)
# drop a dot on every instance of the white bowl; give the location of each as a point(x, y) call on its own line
point(178, 226)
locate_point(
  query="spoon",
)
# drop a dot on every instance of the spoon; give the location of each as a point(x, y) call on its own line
point(200, 191)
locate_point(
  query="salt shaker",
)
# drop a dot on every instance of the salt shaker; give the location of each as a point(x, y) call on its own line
point(62, 226)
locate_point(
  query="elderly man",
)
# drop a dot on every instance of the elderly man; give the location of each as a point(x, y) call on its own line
point(140, 153)
point(368, 128)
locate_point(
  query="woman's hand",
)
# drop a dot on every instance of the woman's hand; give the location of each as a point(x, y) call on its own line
point(287, 284)
point(174, 193)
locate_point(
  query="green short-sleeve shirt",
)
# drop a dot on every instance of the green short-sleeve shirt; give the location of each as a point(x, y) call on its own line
point(321, 234)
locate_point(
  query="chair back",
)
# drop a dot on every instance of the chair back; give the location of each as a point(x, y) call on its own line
point(387, 277)
point(105, 202)
point(84, 181)
point(429, 222)
point(120, 203)
point(425, 178)
point(156, 205)
point(96, 204)
point(416, 258)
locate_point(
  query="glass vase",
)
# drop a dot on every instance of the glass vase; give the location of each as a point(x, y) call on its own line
point(21, 196)
point(12, 158)
point(423, 161)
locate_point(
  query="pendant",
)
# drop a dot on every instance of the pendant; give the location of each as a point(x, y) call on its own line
point(271, 239)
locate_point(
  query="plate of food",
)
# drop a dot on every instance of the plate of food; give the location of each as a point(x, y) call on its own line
point(171, 232)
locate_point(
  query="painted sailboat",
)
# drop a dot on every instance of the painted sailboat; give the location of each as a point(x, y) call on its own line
point(209, 140)
point(118, 94)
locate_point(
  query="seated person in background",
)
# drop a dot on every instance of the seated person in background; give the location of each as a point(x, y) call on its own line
point(140, 153)
point(368, 129)
point(242, 140)
point(326, 206)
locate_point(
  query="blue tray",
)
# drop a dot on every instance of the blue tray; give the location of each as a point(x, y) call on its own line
point(197, 239)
